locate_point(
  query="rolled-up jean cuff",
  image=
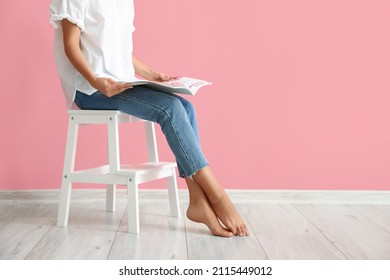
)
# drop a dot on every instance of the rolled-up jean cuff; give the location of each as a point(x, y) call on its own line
point(183, 175)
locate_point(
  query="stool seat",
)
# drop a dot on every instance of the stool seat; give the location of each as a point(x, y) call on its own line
point(115, 173)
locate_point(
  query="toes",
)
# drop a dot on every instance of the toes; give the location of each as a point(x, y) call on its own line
point(223, 233)
point(242, 230)
point(227, 234)
point(234, 231)
point(230, 228)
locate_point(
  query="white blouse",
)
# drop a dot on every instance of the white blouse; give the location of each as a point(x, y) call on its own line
point(106, 41)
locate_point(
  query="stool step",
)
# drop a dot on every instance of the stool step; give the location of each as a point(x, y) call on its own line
point(145, 172)
point(142, 171)
point(144, 168)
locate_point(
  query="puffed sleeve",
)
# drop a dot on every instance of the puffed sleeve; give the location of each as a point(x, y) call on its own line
point(72, 10)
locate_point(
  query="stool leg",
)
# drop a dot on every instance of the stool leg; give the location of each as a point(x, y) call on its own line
point(133, 205)
point(66, 189)
point(110, 198)
point(113, 159)
point(173, 194)
point(63, 211)
point(151, 141)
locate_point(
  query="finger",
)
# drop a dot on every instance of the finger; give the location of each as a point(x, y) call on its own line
point(107, 93)
point(124, 85)
point(166, 78)
point(111, 81)
point(119, 86)
point(120, 89)
point(127, 85)
point(113, 93)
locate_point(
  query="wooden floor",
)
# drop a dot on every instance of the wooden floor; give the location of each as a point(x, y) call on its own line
point(279, 231)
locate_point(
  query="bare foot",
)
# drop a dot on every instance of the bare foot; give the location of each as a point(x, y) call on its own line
point(229, 216)
point(220, 202)
point(201, 212)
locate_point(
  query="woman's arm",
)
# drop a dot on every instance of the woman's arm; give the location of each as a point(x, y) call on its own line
point(71, 36)
point(149, 74)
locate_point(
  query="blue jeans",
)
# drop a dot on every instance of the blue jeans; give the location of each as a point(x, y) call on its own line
point(173, 113)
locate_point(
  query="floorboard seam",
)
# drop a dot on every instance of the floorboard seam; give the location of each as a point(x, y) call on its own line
point(310, 221)
point(185, 231)
point(257, 239)
point(40, 240)
point(116, 233)
point(365, 215)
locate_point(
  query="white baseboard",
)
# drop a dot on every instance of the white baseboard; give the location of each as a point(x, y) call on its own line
point(238, 196)
point(312, 196)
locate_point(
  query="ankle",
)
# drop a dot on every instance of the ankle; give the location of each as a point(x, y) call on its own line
point(215, 199)
point(195, 201)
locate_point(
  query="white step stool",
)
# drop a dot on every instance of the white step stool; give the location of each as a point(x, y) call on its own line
point(114, 173)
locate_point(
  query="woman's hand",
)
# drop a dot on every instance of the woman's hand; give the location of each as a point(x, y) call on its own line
point(160, 77)
point(108, 86)
point(145, 71)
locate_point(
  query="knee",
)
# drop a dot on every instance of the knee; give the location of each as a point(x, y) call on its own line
point(190, 109)
point(171, 111)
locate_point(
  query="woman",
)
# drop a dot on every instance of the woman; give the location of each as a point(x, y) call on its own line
point(93, 49)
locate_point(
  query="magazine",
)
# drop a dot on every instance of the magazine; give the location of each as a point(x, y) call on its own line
point(184, 85)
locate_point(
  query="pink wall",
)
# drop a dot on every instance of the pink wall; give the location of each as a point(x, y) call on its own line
point(300, 98)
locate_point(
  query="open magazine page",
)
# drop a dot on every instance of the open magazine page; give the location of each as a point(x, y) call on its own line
point(184, 85)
